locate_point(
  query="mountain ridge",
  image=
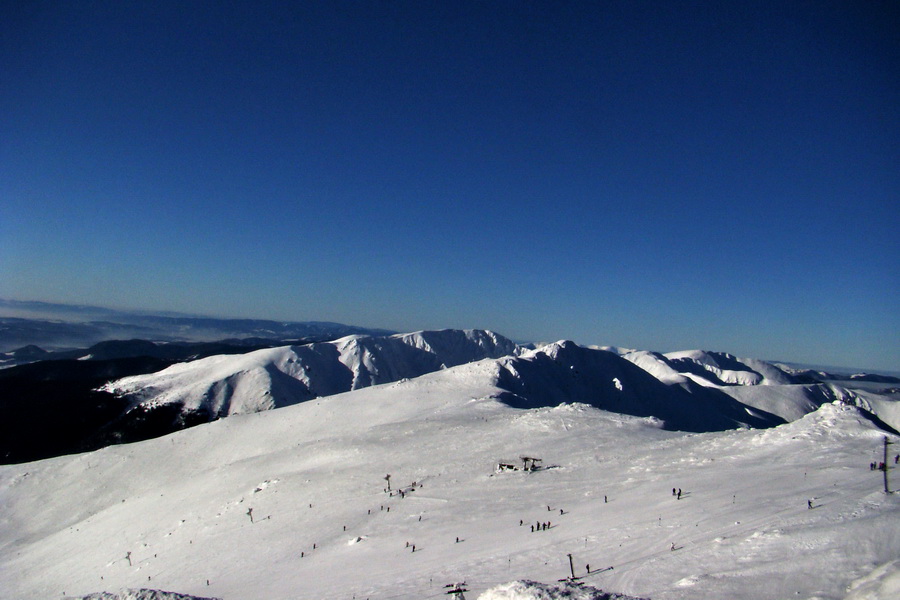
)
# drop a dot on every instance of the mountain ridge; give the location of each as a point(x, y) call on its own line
point(277, 377)
point(55, 407)
point(264, 504)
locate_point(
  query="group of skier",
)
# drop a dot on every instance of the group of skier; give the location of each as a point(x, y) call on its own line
point(880, 466)
point(540, 526)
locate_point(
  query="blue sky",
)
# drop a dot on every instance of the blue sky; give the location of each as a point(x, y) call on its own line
point(660, 175)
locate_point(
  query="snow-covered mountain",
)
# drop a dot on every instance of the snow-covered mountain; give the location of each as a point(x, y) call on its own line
point(761, 386)
point(57, 407)
point(688, 391)
point(221, 386)
point(566, 372)
point(292, 503)
point(710, 368)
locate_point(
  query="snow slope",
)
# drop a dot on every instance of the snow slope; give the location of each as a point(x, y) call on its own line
point(690, 390)
point(566, 372)
point(141, 594)
point(271, 378)
point(791, 402)
point(720, 368)
point(174, 513)
point(535, 590)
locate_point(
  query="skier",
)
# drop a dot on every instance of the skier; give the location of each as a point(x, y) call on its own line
point(679, 493)
point(809, 504)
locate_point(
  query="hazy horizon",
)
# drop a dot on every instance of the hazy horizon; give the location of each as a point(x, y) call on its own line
point(71, 313)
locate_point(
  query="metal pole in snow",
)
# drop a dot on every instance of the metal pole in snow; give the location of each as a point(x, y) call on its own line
point(457, 590)
point(571, 566)
point(887, 489)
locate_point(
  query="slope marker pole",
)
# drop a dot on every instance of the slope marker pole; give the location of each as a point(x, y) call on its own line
point(887, 489)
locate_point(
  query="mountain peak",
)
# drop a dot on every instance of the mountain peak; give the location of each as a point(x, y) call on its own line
point(271, 378)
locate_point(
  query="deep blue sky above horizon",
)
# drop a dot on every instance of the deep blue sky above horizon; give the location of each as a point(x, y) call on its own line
point(659, 175)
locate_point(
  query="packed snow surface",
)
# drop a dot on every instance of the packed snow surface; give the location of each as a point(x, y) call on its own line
point(296, 503)
point(142, 594)
point(533, 590)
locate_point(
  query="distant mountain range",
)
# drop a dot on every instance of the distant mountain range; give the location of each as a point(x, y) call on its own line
point(47, 326)
point(124, 391)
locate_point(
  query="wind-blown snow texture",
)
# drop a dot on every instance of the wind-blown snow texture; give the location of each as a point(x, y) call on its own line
point(534, 590)
point(291, 503)
point(141, 594)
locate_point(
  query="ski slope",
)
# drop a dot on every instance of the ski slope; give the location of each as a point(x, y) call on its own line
point(174, 513)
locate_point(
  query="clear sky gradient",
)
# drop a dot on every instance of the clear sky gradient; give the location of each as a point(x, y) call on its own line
point(660, 175)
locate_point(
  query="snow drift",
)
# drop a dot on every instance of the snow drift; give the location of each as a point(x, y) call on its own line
point(533, 590)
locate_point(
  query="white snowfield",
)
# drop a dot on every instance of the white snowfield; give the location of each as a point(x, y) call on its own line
point(292, 503)
point(534, 590)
